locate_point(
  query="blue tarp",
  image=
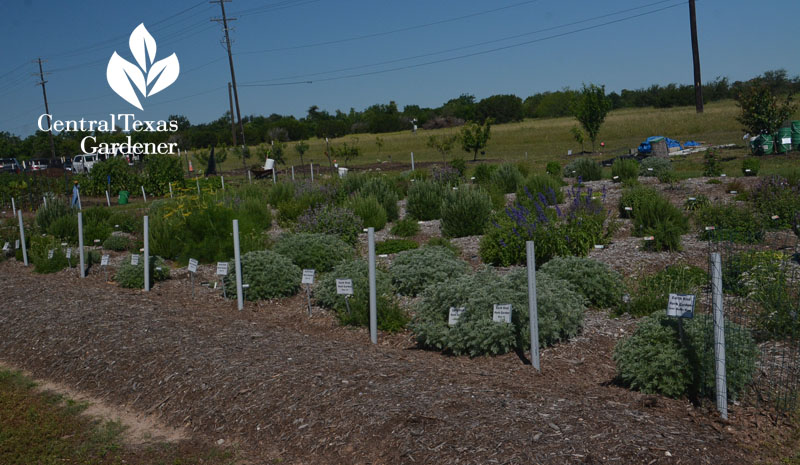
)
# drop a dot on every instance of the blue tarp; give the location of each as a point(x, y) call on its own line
point(645, 148)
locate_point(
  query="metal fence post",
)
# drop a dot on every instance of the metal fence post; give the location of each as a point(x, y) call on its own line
point(146, 254)
point(373, 304)
point(22, 236)
point(412, 161)
point(238, 264)
point(719, 335)
point(82, 272)
point(533, 311)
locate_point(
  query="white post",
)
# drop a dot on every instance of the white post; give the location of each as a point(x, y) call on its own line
point(80, 208)
point(273, 174)
point(170, 190)
point(533, 311)
point(222, 178)
point(146, 254)
point(13, 206)
point(44, 200)
point(312, 171)
point(249, 179)
point(108, 199)
point(237, 258)
point(198, 185)
point(412, 161)
point(82, 271)
point(292, 172)
point(144, 195)
point(22, 237)
point(373, 304)
point(719, 335)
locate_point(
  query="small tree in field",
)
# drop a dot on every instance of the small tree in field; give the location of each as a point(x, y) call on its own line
point(762, 112)
point(442, 144)
point(591, 108)
point(474, 137)
point(578, 135)
point(347, 152)
point(302, 148)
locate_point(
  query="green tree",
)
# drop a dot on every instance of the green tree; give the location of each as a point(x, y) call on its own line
point(347, 152)
point(761, 110)
point(591, 108)
point(579, 136)
point(302, 148)
point(442, 144)
point(474, 137)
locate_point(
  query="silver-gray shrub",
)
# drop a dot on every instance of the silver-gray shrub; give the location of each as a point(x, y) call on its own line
point(413, 270)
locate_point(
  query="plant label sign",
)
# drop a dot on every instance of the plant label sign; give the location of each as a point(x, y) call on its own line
point(454, 315)
point(501, 313)
point(50, 254)
point(681, 305)
point(222, 268)
point(6, 246)
point(308, 277)
point(192, 265)
point(135, 259)
point(344, 286)
point(104, 260)
point(69, 252)
point(16, 244)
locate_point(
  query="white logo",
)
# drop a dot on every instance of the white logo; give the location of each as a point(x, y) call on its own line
point(121, 72)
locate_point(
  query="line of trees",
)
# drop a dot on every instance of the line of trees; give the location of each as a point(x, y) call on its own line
point(380, 118)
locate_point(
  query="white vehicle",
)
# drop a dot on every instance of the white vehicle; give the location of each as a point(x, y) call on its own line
point(83, 163)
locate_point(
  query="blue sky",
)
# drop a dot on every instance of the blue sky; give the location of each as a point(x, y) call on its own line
point(286, 41)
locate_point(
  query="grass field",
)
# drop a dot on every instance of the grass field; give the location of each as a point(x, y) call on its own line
point(44, 428)
point(545, 139)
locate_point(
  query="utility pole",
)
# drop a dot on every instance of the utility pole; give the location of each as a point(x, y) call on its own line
point(225, 20)
point(698, 84)
point(46, 108)
point(233, 120)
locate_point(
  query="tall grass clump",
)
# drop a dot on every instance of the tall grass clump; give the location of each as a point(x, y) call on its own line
point(384, 192)
point(425, 200)
point(371, 212)
point(584, 169)
point(625, 170)
point(465, 211)
point(507, 177)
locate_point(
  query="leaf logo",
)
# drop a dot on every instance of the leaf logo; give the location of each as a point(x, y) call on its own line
point(120, 72)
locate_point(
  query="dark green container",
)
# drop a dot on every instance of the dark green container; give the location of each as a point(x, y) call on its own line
point(783, 140)
point(123, 197)
point(795, 135)
point(764, 144)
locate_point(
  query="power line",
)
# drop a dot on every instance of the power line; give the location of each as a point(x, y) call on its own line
point(463, 47)
point(485, 52)
point(394, 31)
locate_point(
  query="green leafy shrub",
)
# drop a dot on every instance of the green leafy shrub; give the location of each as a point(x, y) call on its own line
point(664, 235)
point(65, 228)
point(751, 166)
point(584, 169)
point(371, 212)
point(390, 316)
point(655, 360)
point(553, 168)
point(38, 253)
point(425, 200)
point(122, 175)
point(159, 171)
point(653, 215)
point(633, 197)
point(538, 185)
point(413, 270)
point(382, 190)
point(652, 291)
point(731, 223)
point(465, 212)
point(484, 173)
point(330, 219)
point(95, 224)
point(55, 209)
point(280, 192)
point(776, 195)
point(507, 177)
point(555, 231)
point(313, 250)
point(117, 243)
point(269, 274)
point(696, 203)
point(601, 285)
point(442, 242)
point(126, 221)
point(406, 227)
point(711, 164)
point(560, 313)
point(460, 165)
point(290, 210)
point(132, 276)
point(625, 170)
point(394, 246)
point(654, 166)
point(668, 177)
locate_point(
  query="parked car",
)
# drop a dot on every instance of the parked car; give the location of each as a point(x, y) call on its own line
point(9, 165)
point(83, 163)
point(37, 164)
point(67, 165)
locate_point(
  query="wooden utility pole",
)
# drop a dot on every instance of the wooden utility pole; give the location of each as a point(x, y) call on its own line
point(42, 82)
point(233, 121)
point(225, 20)
point(698, 83)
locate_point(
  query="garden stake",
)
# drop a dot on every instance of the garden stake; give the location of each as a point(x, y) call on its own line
point(373, 312)
point(310, 163)
point(532, 305)
point(308, 296)
point(170, 190)
point(80, 242)
point(412, 161)
point(146, 252)
point(347, 303)
point(249, 179)
point(22, 236)
point(238, 264)
point(108, 199)
point(198, 186)
point(14, 206)
point(292, 172)
point(719, 335)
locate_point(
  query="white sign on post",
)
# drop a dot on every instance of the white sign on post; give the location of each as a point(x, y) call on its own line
point(344, 286)
point(222, 268)
point(104, 260)
point(192, 265)
point(69, 252)
point(454, 315)
point(16, 244)
point(135, 259)
point(50, 254)
point(308, 277)
point(501, 313)
point(6, 246)
point(681, 305)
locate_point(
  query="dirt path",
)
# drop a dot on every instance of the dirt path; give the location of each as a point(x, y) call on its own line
point(283, 387)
